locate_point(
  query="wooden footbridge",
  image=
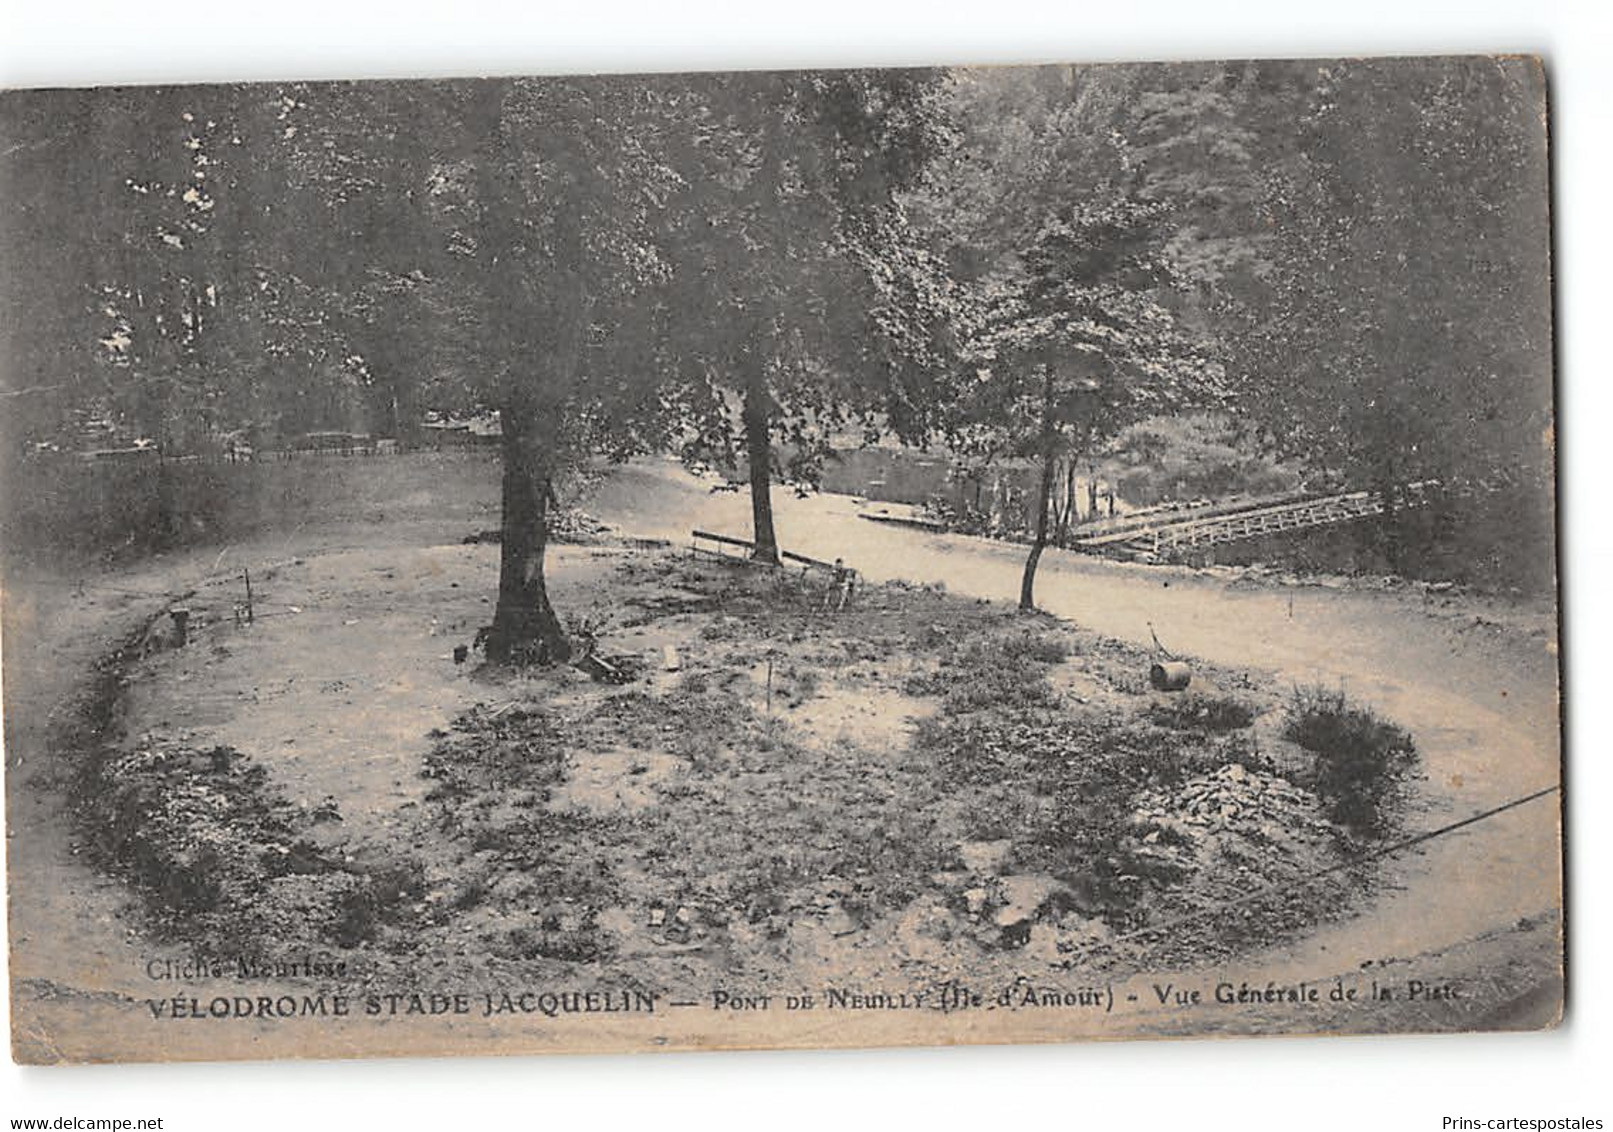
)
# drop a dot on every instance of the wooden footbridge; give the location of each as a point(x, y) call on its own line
point(1164, 535)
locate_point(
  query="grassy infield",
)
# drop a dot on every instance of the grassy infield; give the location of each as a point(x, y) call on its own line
point(762, 817)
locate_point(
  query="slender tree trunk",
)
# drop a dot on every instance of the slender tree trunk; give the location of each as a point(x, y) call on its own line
point(1393, 534)
point(759, 454)
point(402, 408)
point(525, 628)
point(1027, 584)
point(1072, 514)
point(167, 526)
point(1056, 511)
point(411, 420)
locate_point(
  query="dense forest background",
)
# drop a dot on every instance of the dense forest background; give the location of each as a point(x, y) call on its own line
point(1258, 275)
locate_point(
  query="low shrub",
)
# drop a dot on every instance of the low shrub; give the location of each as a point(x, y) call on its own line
point(1216, 715)
point(552, 939)
point(1360, 759)
point(1083, 773)
point(498, 750)
point(1006, 672)
point(223, 855)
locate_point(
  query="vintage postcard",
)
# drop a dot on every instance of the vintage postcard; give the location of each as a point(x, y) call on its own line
point(783, 559)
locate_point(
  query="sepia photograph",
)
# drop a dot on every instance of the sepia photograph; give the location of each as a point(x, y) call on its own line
point(783, 558)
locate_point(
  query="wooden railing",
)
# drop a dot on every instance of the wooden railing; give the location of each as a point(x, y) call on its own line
point(1166, 537)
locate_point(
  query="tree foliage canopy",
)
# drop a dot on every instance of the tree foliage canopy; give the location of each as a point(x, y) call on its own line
point(1350, 259)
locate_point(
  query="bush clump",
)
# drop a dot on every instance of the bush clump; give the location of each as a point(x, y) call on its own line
point(1006, 672)
point(1064, 788)
point(225, 856)
point(1214, 714)
point(1360, 758)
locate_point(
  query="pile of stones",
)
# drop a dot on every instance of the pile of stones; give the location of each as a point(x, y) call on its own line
point(1232, 801)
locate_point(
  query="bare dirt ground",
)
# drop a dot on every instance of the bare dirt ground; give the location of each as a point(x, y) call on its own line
point(1474, 679)
point(339, 689)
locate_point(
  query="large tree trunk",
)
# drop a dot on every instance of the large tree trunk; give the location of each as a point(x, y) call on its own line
point(759, 455)
point(525, 629)
point(1027, 584)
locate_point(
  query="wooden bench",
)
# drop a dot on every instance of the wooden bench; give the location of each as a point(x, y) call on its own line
point(719, 544)
point(834, 569)
point(842, 579)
